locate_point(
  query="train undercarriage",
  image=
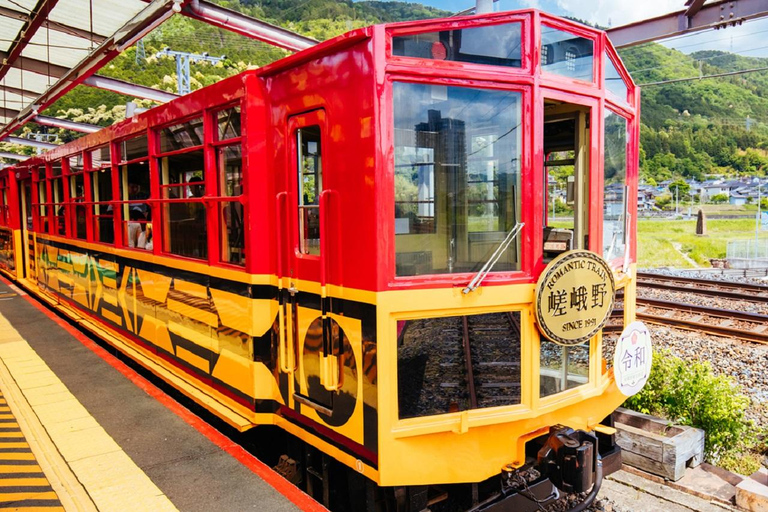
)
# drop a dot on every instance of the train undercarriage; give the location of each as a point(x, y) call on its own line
point(559, 465)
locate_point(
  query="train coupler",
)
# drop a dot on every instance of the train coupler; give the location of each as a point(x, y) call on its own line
point(569, 459)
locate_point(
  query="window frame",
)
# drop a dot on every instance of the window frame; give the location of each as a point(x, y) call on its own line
point(451, 67)
point(617, 262)
point(74, 201)
point(91, 171)
point(526, 241)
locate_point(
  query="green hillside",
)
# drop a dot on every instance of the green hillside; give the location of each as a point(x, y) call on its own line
point(699, 127)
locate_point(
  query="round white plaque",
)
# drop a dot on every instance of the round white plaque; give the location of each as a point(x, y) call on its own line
point(633, 358)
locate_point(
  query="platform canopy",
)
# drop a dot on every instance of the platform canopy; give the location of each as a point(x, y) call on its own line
point(47, 47)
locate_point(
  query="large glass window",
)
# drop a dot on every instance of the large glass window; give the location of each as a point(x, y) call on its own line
point(497, 45)
point(77, 195)
point(231, 227)
point(615, 188)
point(135, 190)
point(183, 186)
point(566, 54)
point(310, 182)
point(457, 363)
point(457, 177)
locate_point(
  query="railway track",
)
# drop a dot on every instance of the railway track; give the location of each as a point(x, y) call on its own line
point(459, 363)
point(718, 289)
point(710, 319)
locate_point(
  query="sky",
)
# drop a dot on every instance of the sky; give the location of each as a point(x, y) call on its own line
point(750, 39)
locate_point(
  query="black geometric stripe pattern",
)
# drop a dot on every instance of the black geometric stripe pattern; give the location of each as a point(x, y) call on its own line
point(23, 485)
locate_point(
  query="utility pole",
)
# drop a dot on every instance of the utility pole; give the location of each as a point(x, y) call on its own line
point(141, 55)
point(182, 65)
point(677, 203)
point(759, 216)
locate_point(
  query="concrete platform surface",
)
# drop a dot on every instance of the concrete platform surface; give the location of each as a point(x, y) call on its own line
point(108, 443)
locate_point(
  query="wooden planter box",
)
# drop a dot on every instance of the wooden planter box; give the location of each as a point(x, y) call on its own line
point(656, 445)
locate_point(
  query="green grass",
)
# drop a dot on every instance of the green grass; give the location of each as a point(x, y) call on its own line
point(656, 241)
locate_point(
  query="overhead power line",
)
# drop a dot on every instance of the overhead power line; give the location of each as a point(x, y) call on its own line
point(718, 75)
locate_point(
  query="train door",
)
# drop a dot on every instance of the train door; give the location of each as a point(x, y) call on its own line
point(567, 163)
point(25, 225)
point(566, 172)
point(309, 350)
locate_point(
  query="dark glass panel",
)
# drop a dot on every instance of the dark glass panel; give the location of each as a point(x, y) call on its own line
point(497, 45)
point(433, 373)
point(566, 54)
point(184, 135)
point(232, 232)
point(229, 123)
point(230, 164)
point(134, 148)
point(310, 180)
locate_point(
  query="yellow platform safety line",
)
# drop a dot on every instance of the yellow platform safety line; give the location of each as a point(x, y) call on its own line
point(86, 468)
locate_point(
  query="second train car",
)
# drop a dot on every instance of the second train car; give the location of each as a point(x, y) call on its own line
point(346, 245)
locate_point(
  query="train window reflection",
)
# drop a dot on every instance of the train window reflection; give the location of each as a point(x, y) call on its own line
point(457, 177)
point(232, 233)
point(183, 135)
point(100, 158)
point(457, 363)
point(566, 54)
point(615, 191)
point(229, 159)
point(310, 183)
point(498, 45)
point(613, 80)
point(57, 190)
point(77, 196)
point(229, 123)
point(76, 163)
point(101, 187)
point(133, 149)
point(562, 368)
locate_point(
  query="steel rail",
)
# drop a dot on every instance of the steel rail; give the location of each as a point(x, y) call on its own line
point(720, 289)
point(760, 336)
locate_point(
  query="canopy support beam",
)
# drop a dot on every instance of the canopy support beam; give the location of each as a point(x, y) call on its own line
point(27, 32)
point(698, 16)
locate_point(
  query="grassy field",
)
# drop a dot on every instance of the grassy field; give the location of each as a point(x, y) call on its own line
point(661, 242)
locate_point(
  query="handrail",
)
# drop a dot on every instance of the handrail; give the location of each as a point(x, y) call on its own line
point(283, 356)
point(330, 370)
point(475, 282)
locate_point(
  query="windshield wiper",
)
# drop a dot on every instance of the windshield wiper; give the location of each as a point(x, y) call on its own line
point(475, 282)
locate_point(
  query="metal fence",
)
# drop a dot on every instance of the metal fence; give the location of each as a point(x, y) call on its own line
point(747, 254)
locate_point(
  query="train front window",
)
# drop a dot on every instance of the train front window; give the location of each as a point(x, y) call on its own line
point(615, 188)
point(498, 45)
point(457, 177)
point(457, 363)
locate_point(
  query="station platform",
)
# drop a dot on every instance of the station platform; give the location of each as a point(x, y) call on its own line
point(81, 431)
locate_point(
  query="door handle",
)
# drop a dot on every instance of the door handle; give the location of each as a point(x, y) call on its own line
point(331, 371)
point(285, 358)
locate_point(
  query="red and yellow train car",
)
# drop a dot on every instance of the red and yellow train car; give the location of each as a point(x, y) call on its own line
point(346, 244)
